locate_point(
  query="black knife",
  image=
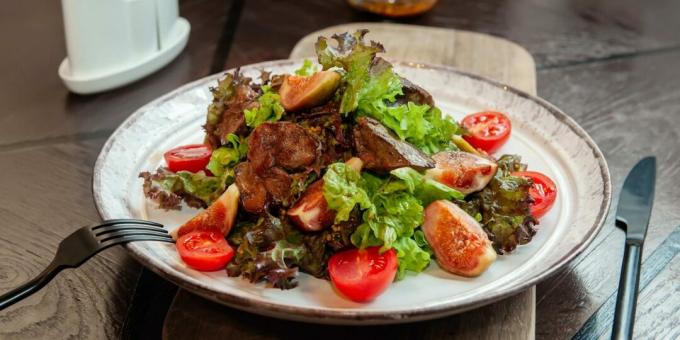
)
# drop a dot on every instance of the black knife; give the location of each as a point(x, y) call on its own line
point(632, 215)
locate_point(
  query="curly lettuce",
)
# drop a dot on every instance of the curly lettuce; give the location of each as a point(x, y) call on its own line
point(267, 250)
point(392, 210)
point(343, 189)
point(391, 223)
point(354, 57)
point(269, 108)
point(223, 159)
point(503, 207)
point(168, 189)
point(307, 69)
point(424, 189)
point(372, 87)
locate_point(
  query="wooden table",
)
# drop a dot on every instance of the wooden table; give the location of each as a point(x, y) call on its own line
point(614, 66)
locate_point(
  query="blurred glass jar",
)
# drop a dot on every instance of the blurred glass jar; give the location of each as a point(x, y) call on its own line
point(393, 8)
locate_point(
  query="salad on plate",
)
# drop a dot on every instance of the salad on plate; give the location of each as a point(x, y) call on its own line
point(348, 172)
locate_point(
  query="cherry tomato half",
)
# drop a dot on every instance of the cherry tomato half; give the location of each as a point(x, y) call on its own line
point(489, 130)
point(192, 157)
point(204, 250)
point(362, 275)
point(543, 192)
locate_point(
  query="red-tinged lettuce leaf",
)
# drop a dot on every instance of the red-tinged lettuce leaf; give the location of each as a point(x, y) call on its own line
point(371, 88)
point(503, 207)
point(365, 76)
point(267, 250)
point(231, 97)
point(168, 189)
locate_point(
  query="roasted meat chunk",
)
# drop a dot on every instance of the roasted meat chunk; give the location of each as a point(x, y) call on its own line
point(278, 184)
point(275, 185)
point(414, 93)
point(254, 196)
point(281, 144)
point(325, 122)
point(381, 151)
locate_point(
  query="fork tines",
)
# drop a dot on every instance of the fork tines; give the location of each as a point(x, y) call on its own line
point(127, 230)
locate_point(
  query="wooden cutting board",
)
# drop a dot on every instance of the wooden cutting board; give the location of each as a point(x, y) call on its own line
point(192, 317)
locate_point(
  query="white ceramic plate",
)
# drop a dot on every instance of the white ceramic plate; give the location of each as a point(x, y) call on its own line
point(547, 139)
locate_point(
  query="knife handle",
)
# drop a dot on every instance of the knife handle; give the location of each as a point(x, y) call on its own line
point(626, 299)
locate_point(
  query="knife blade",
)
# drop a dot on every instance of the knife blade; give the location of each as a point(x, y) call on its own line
point(632, 215)
point(636, 199)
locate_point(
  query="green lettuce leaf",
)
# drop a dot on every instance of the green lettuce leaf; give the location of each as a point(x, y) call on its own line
point(223, 159)
point(411, 256)
point(392, 210)
point(420, 125)
point(168, 189)
point(393, 215)
point(308, 68)
point(361, 81)
point(269, 108)
point(343, 190)
point(425, 189)
point(371, 87)
point(285, 251)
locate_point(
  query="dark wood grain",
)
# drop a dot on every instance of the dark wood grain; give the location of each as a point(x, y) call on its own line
point(631, 107)
point(213, 321)
point(555, 32)
point(48, 141)
point(614, 66)
point(34, 98)
point(658, 305)
point(600, 323)
point(47, 197)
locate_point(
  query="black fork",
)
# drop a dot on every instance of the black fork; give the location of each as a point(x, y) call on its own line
point(85, 243)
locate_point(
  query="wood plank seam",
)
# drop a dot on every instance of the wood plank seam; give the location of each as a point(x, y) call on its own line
point(612, 57)
point(78, 137)
point(227, 37)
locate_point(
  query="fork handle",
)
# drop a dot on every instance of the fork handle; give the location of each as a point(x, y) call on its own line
point(626, 299)
point(31, 286)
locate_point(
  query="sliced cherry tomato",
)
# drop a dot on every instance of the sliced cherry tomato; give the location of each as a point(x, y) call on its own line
point(543, 192)
point(362, 275)
point(192, 157)
point(204, 250)
point(489, 130)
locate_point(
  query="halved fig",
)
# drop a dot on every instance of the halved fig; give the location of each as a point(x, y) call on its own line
point(310, 212)
point(462, 171)
point(219, 216)
point(299, 92)
point(460, 245)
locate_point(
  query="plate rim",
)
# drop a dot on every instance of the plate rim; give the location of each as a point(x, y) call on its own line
point(357, 316)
